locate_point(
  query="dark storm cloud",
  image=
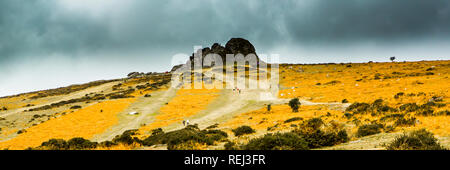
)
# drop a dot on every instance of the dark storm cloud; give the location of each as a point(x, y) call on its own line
point(38, 28)
point(44, 27)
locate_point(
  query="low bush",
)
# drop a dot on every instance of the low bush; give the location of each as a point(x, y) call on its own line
point(293, 119)
point(185, 138)
point(72, 144)
point(294, 104)
point(313, 123)
point(75, 107)
point(443, 113)
point(398, 95)
point(80, 144)
point(376, 107)
point(230, 146)
point(213, 126)
point(424, 110)
point(55, 144)
point(243, 130)
point(369, 129)
point(127, 137)
point(333, 82)
point(348, 115)
point(318, 138)
point(416, 140)
point(405, 121)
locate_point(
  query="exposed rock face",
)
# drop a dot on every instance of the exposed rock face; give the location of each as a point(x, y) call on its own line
point(233, 46)
point(239, 45)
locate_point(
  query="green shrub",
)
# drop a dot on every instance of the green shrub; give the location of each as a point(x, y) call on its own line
point(342, 136)
point(344, 101)
point(333, 82)
point(21, 131)
point(157, 131)
point(424, 110)
point(405, 122)
point(185, 138)
point(444, 112)
point(369, 129)
point(409, 107)
point(72, 144)
point(230, 146)
point(293, 119)
point(376, 107)
point(213, 126)
point(399, 94)
point(106, 144)
point(243, 130)
point(416, 140)
point(126, 137)
point(278, 141)
point(348, 115)
point(358, 107)
point(294, 104)
point(55, 144)
point(75, 107)
point(314, 123)
point(80, 144)
point(392, 117)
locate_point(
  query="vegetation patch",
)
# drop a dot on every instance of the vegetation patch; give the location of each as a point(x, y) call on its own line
point(294, 104)
point(72, 144)
point(376, 107)
point(416, 140)
point(293, 119)
point(243, 130)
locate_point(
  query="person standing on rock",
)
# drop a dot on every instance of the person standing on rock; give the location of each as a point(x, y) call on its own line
point(184, 123)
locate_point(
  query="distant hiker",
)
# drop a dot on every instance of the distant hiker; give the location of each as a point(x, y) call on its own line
point(187, 122)
point(184, 123)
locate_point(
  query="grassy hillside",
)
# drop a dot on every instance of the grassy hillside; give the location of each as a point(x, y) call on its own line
point(341, 106)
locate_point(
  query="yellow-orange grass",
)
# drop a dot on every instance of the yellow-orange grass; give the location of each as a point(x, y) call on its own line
point(19, 101)
point(186, 103)
point(262, 119)
point(84, 123)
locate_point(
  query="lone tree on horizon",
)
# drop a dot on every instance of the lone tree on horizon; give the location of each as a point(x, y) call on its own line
point(294, 104)
point(392, 58)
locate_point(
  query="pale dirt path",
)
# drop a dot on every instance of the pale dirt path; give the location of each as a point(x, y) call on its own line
point(147, 108)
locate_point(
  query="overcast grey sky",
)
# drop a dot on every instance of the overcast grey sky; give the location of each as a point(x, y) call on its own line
point(53, 43)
